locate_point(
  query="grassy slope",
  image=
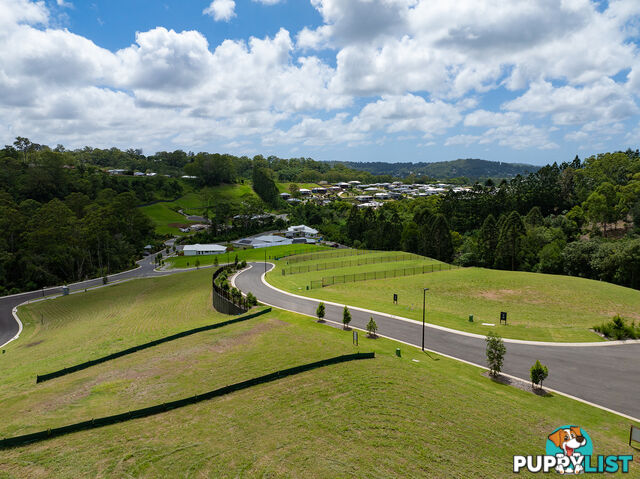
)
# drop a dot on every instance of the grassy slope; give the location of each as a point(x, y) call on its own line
point(540, 307)
point(192, 203)
point(246, 254)
point(386, 417)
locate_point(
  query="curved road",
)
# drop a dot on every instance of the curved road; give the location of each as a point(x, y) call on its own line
point(8, 325)
point(608, 376)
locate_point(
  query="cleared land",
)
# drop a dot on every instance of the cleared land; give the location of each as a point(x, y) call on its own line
point(386, 417)
point(243, 254)
point(540, 307)
point(168, 220)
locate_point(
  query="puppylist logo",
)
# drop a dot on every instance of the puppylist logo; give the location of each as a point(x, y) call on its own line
point(569, 450)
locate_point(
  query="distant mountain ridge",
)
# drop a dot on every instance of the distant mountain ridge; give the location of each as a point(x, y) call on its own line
point(471, 168)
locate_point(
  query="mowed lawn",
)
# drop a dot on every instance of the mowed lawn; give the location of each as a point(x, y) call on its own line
point(243, 254)
point(539, 307)
point(336, 272)
point(166, 221)
point(415, 416)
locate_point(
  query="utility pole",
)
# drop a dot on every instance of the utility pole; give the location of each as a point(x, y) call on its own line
point(424, 303)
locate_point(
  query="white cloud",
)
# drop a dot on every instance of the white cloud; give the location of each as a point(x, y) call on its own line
point(221, 10)
point(403, 68)
point(64, 4)
point(604, 100)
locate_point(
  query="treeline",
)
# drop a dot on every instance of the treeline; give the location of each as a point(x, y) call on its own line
point(61, 223)
point(576, 218)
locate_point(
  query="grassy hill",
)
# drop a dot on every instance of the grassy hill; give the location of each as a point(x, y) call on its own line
point(168, 221)
point(415, 416)
point(540, 307)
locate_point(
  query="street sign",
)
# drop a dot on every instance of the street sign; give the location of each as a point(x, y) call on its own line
point(355, 337)
point(634, 434)
point(503, 317)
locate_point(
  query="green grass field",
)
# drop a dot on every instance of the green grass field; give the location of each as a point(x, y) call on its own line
point(244, 254)
point(540, 307)
point(168, 221)
point(387, 417)
point(165, 219)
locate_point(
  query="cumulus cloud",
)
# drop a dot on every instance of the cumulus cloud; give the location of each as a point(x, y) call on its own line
point(221, 10)
point(389, 69)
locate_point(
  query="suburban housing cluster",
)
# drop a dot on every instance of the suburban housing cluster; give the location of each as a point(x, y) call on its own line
point(300, 234)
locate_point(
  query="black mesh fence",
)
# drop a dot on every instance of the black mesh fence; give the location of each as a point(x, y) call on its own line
point(350, 262)
point(371, 275)
point(224, 301)
point(167, 406)
point(328, 254)
point(140, 347)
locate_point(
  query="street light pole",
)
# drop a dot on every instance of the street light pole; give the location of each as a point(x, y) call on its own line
point(265, 261)
point(424, 301)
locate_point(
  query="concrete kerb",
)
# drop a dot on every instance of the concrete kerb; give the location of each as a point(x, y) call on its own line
point(516, 378)
point(455, 331)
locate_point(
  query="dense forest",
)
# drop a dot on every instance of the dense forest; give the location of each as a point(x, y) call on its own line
point(468, 170)
point(577, 218)
point(64, 218)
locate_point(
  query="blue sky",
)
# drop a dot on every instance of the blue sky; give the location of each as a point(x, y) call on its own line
point(348, 80)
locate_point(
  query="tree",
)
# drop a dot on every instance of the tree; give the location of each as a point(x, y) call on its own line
point(509, 242)
point(488, 241)
point(534, 217)
point(235, 261)
point(439, 239)
point(215, 261)
point(197, 263)
point(346, 317)
point(320, 312)
point(538, 373)
point(495, 353)
point(372, 328)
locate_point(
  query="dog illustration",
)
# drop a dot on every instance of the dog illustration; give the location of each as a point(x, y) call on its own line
point(569, 440)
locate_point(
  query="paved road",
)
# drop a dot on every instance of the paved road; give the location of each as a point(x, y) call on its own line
point(608, 376)
point(9, 326)
point(605, 375)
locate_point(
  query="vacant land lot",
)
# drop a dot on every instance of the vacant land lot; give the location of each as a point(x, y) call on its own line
point(540, 307)
point(385, 417)
point(244, 254)
point(168, 220)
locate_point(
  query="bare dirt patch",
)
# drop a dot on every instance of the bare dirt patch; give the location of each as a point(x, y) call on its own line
point(498, 294)
point(516, 383)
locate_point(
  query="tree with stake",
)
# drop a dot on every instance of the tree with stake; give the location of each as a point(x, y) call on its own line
point(539, 373)
point(372, 328)
point(346, 317)
point(320, 312)
point(215, 261)
point(495, 353)
point(197, 264)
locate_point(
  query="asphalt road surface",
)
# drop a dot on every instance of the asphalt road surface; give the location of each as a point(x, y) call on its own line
point(608, 376)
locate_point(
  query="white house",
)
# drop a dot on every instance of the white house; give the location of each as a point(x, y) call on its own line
point(203, 249)
point(304, 191)
point(301, 230)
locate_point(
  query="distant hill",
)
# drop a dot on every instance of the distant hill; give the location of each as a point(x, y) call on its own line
point(471, 168)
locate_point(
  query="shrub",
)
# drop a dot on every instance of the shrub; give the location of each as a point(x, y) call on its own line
point(495, 353)
point(197, 264)
point(372, 328)
point(251, 300)
point(320, 312)
point(538, 373)
point(215, 261)
point(618, 329)
point(346, 317)
point(242, 265)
